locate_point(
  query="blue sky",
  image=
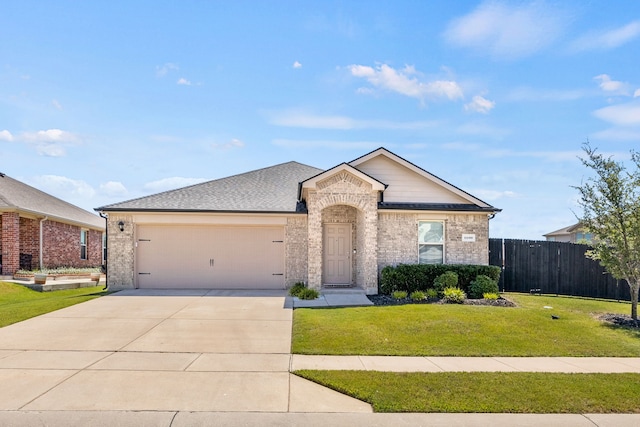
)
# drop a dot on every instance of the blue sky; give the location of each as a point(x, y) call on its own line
point(104, 101)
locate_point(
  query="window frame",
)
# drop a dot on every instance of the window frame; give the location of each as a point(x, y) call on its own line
point(440, 244)
point(84, 244)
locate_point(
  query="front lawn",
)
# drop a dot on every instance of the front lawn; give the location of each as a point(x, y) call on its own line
point(496, 392)
point(18, 303)
point(464, 330)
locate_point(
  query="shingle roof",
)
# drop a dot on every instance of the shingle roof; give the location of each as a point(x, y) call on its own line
point(18, 196)
point(272, 189)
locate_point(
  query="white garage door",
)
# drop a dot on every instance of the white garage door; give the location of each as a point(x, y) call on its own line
point(210, 257)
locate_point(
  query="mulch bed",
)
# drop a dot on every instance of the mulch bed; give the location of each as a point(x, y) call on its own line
point(620, 320)
point(389, 300)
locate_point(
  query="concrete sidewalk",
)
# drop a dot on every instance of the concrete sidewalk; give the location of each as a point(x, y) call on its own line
point(468, 364)
point(232, 419)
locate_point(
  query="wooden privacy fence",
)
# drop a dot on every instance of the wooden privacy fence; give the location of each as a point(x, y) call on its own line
point(553, 268)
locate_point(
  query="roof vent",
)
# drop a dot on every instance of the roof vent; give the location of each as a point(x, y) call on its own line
point(1, 175)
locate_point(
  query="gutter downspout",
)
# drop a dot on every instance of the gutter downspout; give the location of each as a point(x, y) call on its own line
point(41, 245)
point(106, 246)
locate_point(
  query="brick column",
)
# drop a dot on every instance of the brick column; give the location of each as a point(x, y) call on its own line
point(10, 242)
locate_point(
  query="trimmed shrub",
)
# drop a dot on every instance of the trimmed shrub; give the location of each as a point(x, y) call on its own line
point(445, 280)
point(454, 295)
point(420, 277)
point(482, 285)
point(417, 296)
point(399, 294)
point(431, 293)
point(491, 296)
point(296, 289)
point(307, 293)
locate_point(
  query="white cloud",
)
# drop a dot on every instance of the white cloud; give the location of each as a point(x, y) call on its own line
point(163, 70)
point(328, 144)
point(51, 142)
point(234, 143)
point(617, 134)
point(183, 81)
point(622, 114)
point(56, 104)
point(612, 86)
point(172, 183)
point(507, 30)
point(301, 119)
point(608, 39)
point(636, 94)
point(51, 150)
point(480, 104)
point(297, 65)
point(5, 135)
point(405, 82)
point(50, 135)
point(63, 186)
point(113, 188)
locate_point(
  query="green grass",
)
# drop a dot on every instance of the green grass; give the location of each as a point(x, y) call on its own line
point(502, 392)
point(18, 303)
point(465, 330)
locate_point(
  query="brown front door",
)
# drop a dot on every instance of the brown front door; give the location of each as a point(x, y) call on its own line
point(337, 254)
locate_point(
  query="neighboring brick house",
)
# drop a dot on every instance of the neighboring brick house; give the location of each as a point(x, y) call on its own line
point(289, 223)
point(39, 230)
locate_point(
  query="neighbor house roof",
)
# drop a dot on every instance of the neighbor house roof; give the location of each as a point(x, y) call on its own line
point(16, 196)
point(564, 231)
point(271, 189)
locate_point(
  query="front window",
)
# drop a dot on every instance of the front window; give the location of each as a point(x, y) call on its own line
point(83, 244)
point(104, 247)
point(431, 242)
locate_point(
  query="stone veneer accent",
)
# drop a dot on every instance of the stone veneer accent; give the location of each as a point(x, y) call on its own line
point(398, 238)
point(120, 252)
point(344, 189)
point(295, 250)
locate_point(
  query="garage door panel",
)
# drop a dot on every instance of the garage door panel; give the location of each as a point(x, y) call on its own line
point(210, 257)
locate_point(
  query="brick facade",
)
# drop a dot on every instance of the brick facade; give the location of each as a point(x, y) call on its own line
point(61, 246)
point(20, 245)
point(10, 242)
point(398, 238)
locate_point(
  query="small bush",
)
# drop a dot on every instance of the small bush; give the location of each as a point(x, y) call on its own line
point(417, 296)
point(482, 285)
point(445, 280)
point(307, 293)
point(399, 294)
point(490, 296)
point(432, 293)
point(296, 289)
point(454, 295)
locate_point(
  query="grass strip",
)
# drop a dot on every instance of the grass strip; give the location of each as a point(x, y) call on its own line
point(486, 392)
point(466, 330)
point(18, 303)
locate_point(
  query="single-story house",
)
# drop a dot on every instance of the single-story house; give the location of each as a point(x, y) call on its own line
point(288, 223)
point(39, 230)
point(573, 234)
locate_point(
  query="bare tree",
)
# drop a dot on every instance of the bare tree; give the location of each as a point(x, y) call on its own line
point(611, 212)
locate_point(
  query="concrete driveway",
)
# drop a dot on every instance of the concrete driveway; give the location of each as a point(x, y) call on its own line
point(161, 351)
